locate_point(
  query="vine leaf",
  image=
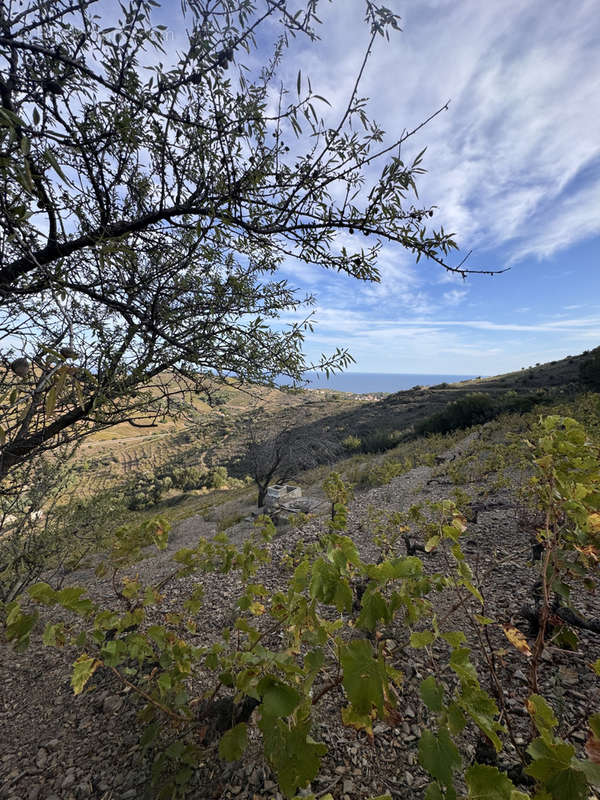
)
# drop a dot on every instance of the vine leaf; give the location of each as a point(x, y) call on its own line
point(83, 669)
point(365, 679)
point(488, 783)
point(432, 693)
point(439, 755)
point(233, 742)
point(517, 639)
point(294, 756)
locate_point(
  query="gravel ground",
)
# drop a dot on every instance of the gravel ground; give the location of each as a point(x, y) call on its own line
point(55, 746)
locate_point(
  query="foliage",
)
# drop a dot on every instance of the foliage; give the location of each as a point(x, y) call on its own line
point(340, 622)
point(49, 528)
point(148, 197)
point(475, 408)
point(351, 443)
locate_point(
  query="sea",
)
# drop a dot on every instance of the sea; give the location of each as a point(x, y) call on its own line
point(373, 382)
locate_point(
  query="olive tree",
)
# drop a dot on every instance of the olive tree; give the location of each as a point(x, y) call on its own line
point(148, 196)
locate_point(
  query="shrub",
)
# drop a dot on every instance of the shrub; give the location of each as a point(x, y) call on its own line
point(351, 443)
point(472, 409)
point(379, 441)
point(217, 478)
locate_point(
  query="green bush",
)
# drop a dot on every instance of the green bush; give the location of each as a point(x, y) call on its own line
point(217, 478)
point(351, 443)
point(475, 408)
point(472, 409)
point(379, 441)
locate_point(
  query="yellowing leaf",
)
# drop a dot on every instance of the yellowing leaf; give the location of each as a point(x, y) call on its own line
point(83, 669)
point(256, 608)
point(516, 638)
point(594, 522)
point(589, 551)
point(460, 523)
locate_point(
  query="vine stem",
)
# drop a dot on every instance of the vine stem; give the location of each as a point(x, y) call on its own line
point(327, 688)
point(488, 653)
point(544, 613)
point(150, 699)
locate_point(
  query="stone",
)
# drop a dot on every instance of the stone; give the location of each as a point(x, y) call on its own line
point(68, 780)
point(112, 704)
point(41, 758)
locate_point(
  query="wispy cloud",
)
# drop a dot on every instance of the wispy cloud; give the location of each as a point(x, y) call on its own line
point(523, 124)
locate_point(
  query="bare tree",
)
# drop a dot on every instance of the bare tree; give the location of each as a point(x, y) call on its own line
point(276, 450)
point(147, 198)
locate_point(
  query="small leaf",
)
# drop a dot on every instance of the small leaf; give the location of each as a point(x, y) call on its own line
point(432, 693)
point(421, 639)
point(83, 669)
point(541, 713)
point(517, 639)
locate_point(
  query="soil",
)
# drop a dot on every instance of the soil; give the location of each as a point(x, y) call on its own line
point(57, 746)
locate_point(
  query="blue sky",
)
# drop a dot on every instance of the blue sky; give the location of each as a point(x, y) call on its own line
point(513, 166)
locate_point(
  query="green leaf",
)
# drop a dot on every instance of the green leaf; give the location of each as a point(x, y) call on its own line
point(70, 598)
point(365, 679)
point(233, 742)
point(549, 759)
point(374, 608)
point(456, 718)
point(568, 784)
point(432, 693)
point(43, 593)
point(482, 709)
point(439, 755)
point(590, 769)
point(83, 669)
point(19, 625)
point(54, 163)
point(542, 715)
point(454, 638)
point(278, 699)
point(54, 635)
point(488, 783)
point(421, 639)
point(291, 752)
point(433, 792)
point(459, 662)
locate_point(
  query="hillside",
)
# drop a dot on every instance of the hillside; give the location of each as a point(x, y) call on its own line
point(485, 471)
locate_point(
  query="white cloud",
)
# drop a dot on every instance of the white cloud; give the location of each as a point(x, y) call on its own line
point(523, 124)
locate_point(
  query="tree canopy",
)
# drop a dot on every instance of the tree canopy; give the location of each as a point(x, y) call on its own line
point(149, 195)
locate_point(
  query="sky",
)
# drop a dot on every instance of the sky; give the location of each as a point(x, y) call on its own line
point(513, 167)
